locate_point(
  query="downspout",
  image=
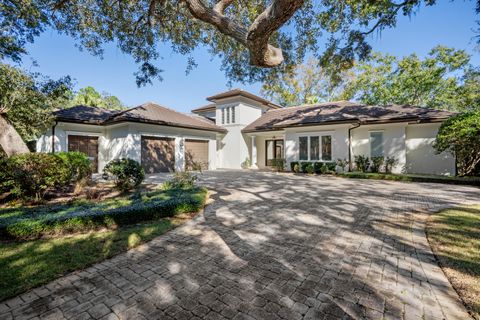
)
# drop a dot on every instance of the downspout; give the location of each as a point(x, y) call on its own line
point(350, 145)
point(53, 136)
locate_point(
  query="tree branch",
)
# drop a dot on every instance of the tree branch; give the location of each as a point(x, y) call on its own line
point(222, 5)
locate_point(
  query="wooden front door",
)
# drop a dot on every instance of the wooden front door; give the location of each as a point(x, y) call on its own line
point(87, 145)
point(196, 153)
point(158, 154)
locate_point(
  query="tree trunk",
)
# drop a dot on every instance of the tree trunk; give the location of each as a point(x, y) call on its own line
point(10, 140)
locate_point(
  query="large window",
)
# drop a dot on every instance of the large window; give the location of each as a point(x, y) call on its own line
point(273, 150)
point(303, 146)
point(233, 114)
point(223, 115)
point(376, 144)
point(327, 148)
point(228, 115)
point(315, 148)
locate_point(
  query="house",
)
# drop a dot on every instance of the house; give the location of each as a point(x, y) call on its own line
point(239, 129)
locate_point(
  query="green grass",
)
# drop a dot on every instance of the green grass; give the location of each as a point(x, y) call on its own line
point(26, 223)
point(24, 265)
point(412, 178)
point(454, 236)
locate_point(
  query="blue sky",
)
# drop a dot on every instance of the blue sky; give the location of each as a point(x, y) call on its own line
point(447, 23)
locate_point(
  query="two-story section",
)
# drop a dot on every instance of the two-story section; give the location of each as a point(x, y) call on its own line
point(234, 110)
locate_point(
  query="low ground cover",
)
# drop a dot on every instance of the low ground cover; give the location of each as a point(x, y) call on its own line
point(23, 223)
point(454, 236)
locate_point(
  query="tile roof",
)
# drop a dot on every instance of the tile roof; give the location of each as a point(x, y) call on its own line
point(342, 112)
point(208, 107)
point(145, 113)
point(239, 92)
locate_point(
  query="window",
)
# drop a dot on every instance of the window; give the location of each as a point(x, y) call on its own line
point(327, 148)
point(223, 115)
point(228, 115)
point(314, 148)
point(233, 114)
point(376, 144)
point(303, 146)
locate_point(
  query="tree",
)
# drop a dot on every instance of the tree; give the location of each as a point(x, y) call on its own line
point(88, 96)
point(251, 37)
point(306, 84)
point(460, 135)
point(26, 103)
point(444, 79)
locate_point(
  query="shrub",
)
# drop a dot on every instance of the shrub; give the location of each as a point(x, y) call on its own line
point(309, 168)
point(31, 223)
point(342, 163)
point(33, 174)
point(278, 164)
point(292, 165)
point(180, 180)
point(303, 166)
point(6, 182)
point(390, 162)
point(317, 166)
point(377, 163)
point(246, 164)
point(362, 163)
point(78, 164)
point(296, 168)
point(330, 166)
point(127, 173)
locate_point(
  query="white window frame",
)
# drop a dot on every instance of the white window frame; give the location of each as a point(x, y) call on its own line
point(370, 141)
point(320, 154)
point(232, 113)
point(223, 115)
point(228, 115)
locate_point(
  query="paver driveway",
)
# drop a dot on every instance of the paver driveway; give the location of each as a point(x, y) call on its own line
point(274, 246)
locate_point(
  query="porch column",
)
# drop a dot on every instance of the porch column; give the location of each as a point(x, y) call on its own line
point(254, 154)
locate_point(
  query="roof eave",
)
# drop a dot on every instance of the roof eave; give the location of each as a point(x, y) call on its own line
point(168, 124)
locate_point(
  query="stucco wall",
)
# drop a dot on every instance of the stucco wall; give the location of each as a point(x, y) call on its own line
point(420, 154)
point(393, 142)
point(339, 135)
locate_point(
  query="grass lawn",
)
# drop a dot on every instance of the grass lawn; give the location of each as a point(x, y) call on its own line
point(454, 235)
point(24, 265)
point(412, 178)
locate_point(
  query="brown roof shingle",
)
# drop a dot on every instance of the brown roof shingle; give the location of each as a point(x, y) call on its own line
point(342, 112)
point(145, 113)
point(240, 92)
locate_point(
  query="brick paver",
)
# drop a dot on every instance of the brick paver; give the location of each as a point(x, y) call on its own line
point(273, 246)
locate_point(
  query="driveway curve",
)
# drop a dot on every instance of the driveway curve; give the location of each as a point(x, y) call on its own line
point(273, 246)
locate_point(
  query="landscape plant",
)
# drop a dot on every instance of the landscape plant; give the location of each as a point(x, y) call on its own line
point(278, 164)
point(362, 163)
point(309, 168)
point(79, 167)
point(390, 162)
point(127, 173)
point(460, 136)
point(342, 163)
point(376, 164)
point(181, 180)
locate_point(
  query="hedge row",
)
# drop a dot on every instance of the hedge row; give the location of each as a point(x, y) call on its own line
point(42, 221)
point(474, 181)
point(318, 167)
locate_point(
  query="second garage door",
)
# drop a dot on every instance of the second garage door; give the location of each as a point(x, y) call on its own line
point(196, 153)
point(158, 154)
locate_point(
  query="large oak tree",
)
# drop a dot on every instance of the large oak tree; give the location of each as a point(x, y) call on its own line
point(251, 37)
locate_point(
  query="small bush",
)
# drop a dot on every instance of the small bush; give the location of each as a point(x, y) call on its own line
point(303, 166)
point(309, 168)
point(362, 163)
point(78, 165)
point(317, 166)
point(6, 179)
point(296, 168)
point(33, 174)
point(181, 180)
point(390, 162)
point(127, 173)
point(278, 164)
point(376, 164)
point(342, 163)
point(292, 165)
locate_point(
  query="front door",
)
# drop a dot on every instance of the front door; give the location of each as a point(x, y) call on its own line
point(273, 150)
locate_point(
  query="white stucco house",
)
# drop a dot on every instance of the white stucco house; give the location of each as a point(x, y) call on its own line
point(239, 129)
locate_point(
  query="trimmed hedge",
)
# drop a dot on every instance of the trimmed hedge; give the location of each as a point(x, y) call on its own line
point(318, 167)
point(32, 223)
point(474, 181)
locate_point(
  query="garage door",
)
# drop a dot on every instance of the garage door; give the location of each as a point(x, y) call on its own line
point(196, 153)
point(87, 145)
point(158, 154)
